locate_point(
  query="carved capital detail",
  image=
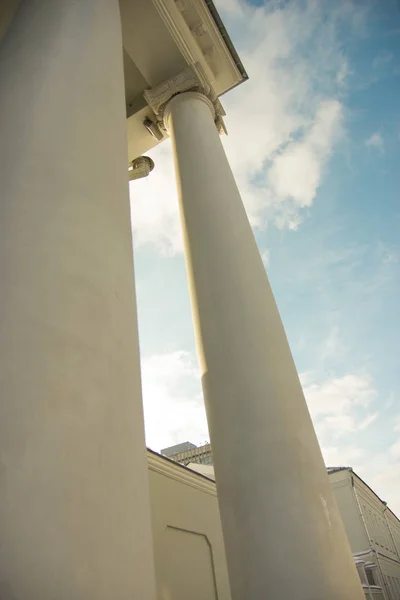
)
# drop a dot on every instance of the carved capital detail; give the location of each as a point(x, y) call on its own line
point(192, 79)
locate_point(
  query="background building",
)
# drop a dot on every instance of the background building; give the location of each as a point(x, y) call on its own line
point(177, 450)
point(187, 531)
point(187, 453)
point(372, 528)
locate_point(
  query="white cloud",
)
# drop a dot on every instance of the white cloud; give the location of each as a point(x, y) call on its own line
point(265, 256)
point(154, 205)
point(231, 6)
point(396, 427)
point(368, 420)
point(343, 456)
point(174, 407)
point(333, 346)
point(343, 73)
point(395, 450)
point(283, 124)
point(375, 142)
point(296, 171)
point(339, 405)
point(173, 403)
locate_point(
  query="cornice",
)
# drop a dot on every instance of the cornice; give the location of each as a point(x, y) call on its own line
point(179, 473)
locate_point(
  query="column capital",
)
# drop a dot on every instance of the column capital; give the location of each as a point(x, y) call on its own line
point(191, 79)
point(182, 97)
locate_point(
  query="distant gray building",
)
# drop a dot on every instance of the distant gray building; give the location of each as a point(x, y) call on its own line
point(172, 451)
point(187, 453)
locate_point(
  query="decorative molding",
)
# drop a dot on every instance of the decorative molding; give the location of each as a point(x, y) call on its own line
point(211, 28)
point(185, 81)
point(174, 14)
point(191, 79)
point(179, 473)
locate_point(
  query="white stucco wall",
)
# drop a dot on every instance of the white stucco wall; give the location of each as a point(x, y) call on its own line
point(188, 536)
point(370, 526)
point(373, 510)
point(343, 489)
point(189, 551)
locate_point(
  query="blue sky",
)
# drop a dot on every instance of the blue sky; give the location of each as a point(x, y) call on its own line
point(314, 140)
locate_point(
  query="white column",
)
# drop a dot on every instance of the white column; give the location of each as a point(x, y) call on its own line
point(74, 502)
point(283, 534)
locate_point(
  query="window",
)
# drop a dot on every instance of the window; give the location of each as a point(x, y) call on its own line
point(370, 576)
point(397, 584)
point(392, 586)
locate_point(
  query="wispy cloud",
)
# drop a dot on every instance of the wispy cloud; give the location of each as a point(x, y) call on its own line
point(367, 421)
point(375, 142)
point(396, 427)
point(333, 345)
point(296, 171)
point(339, 405)
point(388, 254)
point(343, 456)
point(284, 123)
point(395, 450)
point(383, 58)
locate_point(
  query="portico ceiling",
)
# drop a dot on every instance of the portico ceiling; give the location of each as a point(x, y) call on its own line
point(160, 39)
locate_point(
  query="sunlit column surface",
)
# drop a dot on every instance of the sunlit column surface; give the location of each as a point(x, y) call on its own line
point(74, 505)
point(283, 534)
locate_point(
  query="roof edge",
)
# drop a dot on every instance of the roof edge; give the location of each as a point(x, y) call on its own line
point(179, 465)
point(332, 470)
point(228, 42)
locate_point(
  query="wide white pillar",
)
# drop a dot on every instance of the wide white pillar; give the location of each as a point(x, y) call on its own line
point(283, 533)
point(74, 501)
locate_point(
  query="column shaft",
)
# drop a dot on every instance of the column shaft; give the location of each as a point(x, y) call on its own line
point(283, 533)
point(74, 500)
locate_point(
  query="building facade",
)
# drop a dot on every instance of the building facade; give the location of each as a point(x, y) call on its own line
point(190, 559)
point(87, 88)
point(372, 528)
